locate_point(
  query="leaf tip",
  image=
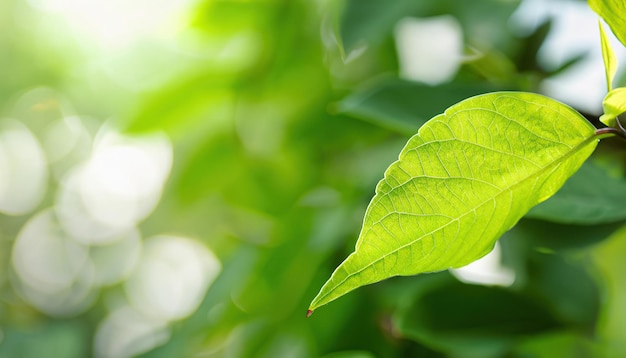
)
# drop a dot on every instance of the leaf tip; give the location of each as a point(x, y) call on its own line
point(608, 120)
point(309, 313)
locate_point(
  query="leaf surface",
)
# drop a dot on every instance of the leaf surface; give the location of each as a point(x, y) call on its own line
point(613, 12)
point(463, 180)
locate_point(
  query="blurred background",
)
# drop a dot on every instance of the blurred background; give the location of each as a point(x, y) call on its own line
point(179, 178)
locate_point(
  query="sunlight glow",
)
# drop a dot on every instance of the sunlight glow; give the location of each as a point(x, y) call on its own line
point(118, 23)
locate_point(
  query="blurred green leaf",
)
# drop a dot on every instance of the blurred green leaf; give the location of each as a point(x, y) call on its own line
point(576, 59)
point(532, 44)
point(528, 60)
point(60, 339)
point(367, 23)
point(612, 12)
point(350, 354)
point(609, 260)
point(550, 237)
point(466, 178)
point(610, 61)
point(181, 105)
point(474, 321)
point(495, 67)
point(403, 105)
point(212, 164)
point(558, 344)
point(591, 196)
point(566, 286)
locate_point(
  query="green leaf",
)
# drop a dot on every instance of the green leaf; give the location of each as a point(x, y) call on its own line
point(559, 344)
point(563, 283)
point(610, 61)
point(367, 23)
point(608, 258)
point(404, 106)
point(591, 196)
point(350, 354)
point(474, 321)
point(613, 104)
point(181, 105)
point(612, 12)
point(552, 237)
point(464, 179)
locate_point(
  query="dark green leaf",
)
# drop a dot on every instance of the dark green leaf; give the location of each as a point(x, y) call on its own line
point(549, 237)
point(475, 321)
point(591, 196)
point(369, 22)
point(403, 105)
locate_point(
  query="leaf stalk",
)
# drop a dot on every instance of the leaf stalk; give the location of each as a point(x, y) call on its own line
point(607, 131)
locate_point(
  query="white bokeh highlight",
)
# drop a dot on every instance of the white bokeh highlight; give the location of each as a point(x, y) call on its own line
point(66, 141)
point(430, 50)
point(116, 188)
point(168, 283)
point(75, 218)
point(53, 272)
point(122, 182)
point(127, 333)
point(24, 169)
point(114, 262)
point(171, 278)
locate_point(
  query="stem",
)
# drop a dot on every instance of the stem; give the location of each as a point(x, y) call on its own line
point(609, 131)
point(619, 124)
point(605, 132)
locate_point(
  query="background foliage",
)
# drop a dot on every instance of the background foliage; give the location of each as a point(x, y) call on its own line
point(280, 117)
